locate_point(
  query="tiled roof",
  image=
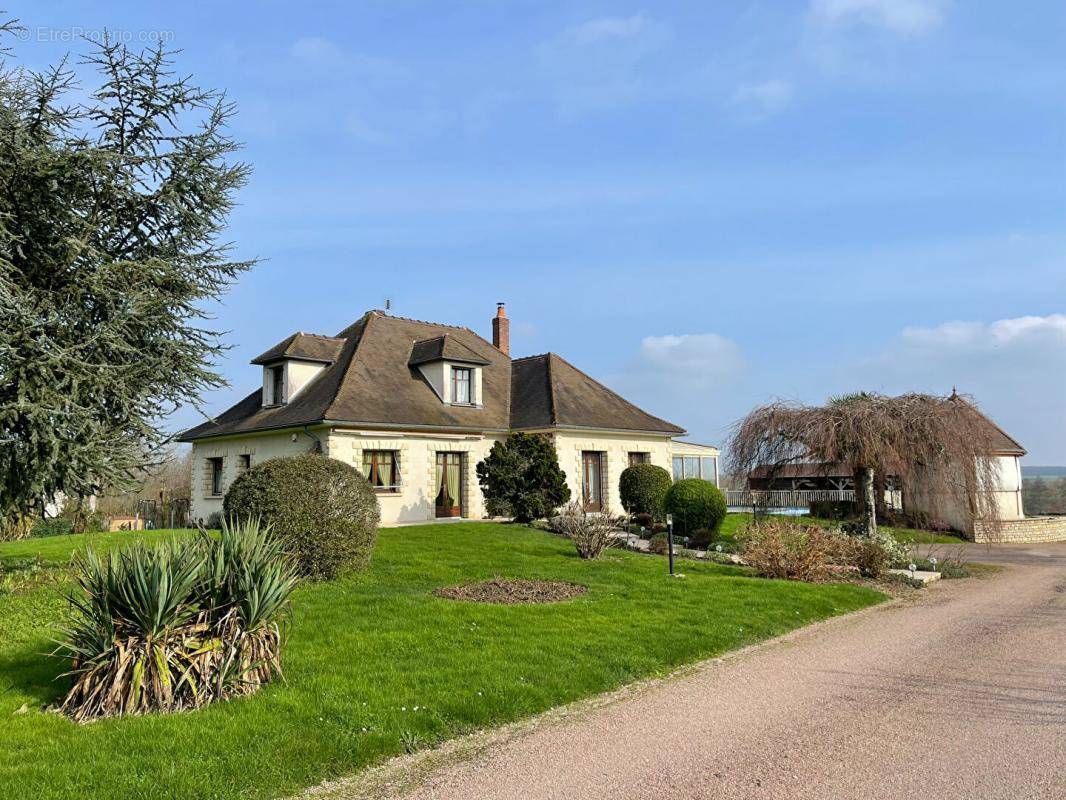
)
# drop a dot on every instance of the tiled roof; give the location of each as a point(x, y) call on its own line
point(373, 380)
point(305, 347)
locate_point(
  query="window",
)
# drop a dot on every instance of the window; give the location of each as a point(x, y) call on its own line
point(592, 480)
point(693, 467)
point(277, 385)
point(461, 385)
point(382, 469)
point(244, 463)
point(215, 465)
point(639, 458)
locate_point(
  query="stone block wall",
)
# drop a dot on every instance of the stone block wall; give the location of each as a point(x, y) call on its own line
point(1030, 530)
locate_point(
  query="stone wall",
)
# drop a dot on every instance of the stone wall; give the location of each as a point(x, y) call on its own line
point(1031, 530)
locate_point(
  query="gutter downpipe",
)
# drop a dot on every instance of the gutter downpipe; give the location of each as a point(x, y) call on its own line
point(317, 441)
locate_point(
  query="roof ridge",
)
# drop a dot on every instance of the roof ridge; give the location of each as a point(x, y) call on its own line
point(321, 336)
point(527, 358)
point(552, 416)
point(605, 388)
point(377, 313)
point(343, 378)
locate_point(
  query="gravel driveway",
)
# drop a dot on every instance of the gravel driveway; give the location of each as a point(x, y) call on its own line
point(958, 694)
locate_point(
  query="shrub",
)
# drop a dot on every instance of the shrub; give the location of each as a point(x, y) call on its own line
point(695, 504)
point(590, 533)
point(645, 521)
point(869, 557)
point(701, 538)
point(55, 526)
point(323, 509)
point(659, 544)
point(643, 489)
point(777, 549)
point(522, 473)
point(832, 509)
point(176, 625)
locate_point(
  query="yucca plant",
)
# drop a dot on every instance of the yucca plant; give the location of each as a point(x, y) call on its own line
point(176, 625)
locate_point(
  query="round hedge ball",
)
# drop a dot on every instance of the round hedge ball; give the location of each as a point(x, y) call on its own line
point(643, 489)
point(695, 504)
point(324, 509)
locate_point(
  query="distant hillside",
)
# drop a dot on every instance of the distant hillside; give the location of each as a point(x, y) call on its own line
point(1043, 472)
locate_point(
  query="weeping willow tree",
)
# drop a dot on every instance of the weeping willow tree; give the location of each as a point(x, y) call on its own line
point(938, 448)
point(114, 195)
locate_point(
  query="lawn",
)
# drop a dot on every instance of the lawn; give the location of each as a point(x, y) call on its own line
point(735, 523)
point(376, 665)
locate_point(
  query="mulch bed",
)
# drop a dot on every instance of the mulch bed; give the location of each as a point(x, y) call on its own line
point(509, 592)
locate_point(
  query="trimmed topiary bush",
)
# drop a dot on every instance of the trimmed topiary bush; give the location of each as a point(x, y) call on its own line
point(323, 509)
point(643, 489)
point(695, 504)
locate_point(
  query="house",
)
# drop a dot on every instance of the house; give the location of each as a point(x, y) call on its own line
point(416, 405)
point(802, 476)
point(1006, 456)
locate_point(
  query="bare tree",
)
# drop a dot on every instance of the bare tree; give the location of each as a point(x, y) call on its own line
point(938, 448)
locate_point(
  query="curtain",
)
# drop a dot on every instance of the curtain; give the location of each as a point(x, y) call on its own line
point(453, 483)
point(368, 466)
point(440, 471)
point(385, 469)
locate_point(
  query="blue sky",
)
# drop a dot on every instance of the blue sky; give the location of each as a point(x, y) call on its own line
point(704, 205)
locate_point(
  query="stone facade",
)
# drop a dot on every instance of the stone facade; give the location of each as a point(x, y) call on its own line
point(416, 452)
point(1030, 530)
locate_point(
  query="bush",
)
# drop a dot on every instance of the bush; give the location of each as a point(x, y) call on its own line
point(176, 625)
point(590, 533)
point(777, 549)
point(57, 526)
point(323, 509)
point(659, 544)
point(832, 509)
point(645, 521)
point(695, 504)
point(701, 538)
point(522, 473)
point(869, 557)
point(643, 489)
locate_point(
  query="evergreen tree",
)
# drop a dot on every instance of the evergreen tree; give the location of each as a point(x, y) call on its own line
point(114, 199)
point(522, 474)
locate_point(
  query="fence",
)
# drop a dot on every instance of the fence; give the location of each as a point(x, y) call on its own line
point(797, 499)
point(773, 498)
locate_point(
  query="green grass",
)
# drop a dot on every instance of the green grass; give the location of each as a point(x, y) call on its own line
point(375, 664)
point(60, 549)
point(736, 523)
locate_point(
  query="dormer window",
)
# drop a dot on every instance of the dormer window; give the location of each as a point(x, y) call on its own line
point(277, 384)
point(462, 384)
point(452, 369)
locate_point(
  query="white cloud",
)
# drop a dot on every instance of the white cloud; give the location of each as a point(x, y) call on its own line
point(1013, 367)
point(757, 101)
point(904, 17)
point(690, 379)
point(599, 63)
point(605, 28)
point(694, 357)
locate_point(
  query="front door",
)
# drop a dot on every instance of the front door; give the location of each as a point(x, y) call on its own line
point(592, 480)
point(449, 501)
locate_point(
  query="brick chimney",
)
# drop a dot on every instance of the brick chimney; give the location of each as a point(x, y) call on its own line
point(501, 330)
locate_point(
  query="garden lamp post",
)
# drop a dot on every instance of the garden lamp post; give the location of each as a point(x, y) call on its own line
point(670, 540)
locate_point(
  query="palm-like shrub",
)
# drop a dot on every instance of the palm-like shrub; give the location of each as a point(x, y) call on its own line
point(323, 509)
point(176, 625)
point(643, 489)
